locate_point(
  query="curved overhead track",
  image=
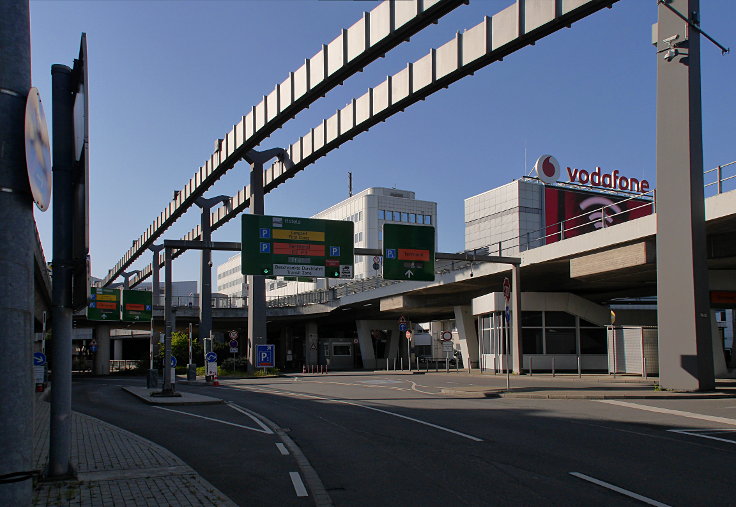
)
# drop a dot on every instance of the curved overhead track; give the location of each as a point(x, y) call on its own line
point(496, 37)
point(380, 30)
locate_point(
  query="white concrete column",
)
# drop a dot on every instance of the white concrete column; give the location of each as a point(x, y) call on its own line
point(468, 335)
point(102, 356)
point(393, 345)
point(312, 341)
point(365, 341)
point(117, 353)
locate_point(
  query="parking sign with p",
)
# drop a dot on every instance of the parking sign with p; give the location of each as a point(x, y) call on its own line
point(265, 355)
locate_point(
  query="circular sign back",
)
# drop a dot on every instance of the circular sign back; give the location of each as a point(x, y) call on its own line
point(446, 336)
point(548, 169)
point(38, 151)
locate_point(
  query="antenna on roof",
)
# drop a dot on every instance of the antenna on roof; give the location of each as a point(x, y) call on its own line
point(350, 184)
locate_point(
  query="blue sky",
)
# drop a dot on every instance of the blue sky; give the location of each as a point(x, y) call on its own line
point(167, 78)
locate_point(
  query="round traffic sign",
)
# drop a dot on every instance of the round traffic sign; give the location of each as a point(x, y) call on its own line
point(506, 289)
point(233, 335)
point(408, 335)
point(234, 343)
point(173, 361)
point(211, 357)
point(38, 151)
point(446, 336)
point(39, 359)
point(403, 327)
point(376, 259)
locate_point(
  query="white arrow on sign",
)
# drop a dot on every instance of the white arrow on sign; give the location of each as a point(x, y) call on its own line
point(409, 273)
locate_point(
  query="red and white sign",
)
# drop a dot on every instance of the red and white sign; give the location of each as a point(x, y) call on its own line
point(548, 169)
point(506, 289)
point(233, 335)
point(446, 336)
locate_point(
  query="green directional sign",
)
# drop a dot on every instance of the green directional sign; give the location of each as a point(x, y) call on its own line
point(297, 247)
point(137, 306)
point(408, 252)
point(103, 304)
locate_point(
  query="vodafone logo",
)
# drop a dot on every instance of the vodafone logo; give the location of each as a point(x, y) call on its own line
point(548, 169)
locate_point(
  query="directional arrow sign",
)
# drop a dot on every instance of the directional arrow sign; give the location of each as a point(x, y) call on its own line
point(408, 252)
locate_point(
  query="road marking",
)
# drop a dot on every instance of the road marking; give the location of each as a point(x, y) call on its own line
point(267, 431)
point(296, 480)
point(250, 414)
point(346, 402)
point(698, 433)
point(623, 491)
point(282, 449)
point(681, 413)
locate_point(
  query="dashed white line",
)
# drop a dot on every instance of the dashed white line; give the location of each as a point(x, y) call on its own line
point(282, 449)
point(299, 487)
point(681, 413)
point(622, 491)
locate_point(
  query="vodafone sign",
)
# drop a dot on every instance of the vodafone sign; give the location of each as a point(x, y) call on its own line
point(548, 170)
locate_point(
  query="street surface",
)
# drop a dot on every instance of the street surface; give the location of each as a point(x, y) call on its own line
point(392, 439)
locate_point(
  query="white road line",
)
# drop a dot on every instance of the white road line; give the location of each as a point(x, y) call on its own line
point(298, 484)
point(618, 490)
point(697, 434)
point(345, 402)
point(216, 420)
point(282, 449)
point(681, 413)
point(247, 412)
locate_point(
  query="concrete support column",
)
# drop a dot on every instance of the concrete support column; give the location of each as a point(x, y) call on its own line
point(393, 344)
point(685, 342)
point(312, 341)
point(365, 342)
point(516, 349)
point(719, 360)
point(102, 356)
point(117, 353)
point(468, 335)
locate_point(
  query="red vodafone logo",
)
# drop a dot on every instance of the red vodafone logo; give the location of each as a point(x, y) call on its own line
point(548, 169)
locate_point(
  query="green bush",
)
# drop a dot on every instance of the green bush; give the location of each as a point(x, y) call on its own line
point(235, 364)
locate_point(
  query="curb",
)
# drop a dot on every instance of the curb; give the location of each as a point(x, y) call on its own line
point(589, 396)
point(185, 399)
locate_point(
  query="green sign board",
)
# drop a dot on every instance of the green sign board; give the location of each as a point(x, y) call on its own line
point(103, 304)
point(137, 306)
point(297, 247)
point(408, 252)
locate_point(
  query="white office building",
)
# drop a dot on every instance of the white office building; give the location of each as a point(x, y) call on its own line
point(368, 210)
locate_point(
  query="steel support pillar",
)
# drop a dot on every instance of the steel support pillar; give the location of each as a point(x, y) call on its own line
point(516, 349)
point(205, 286)
point(155, 301)
point(685, 346)
point(256, 283)
point(168, 388)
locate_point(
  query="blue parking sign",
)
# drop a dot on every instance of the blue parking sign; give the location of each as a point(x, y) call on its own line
point(390, 253)
point(265, 356)
point(264, 233)
point(265, 247)
point(334, 251)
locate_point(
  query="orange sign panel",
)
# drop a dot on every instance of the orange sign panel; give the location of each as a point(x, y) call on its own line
point(408, 254)
point(135, 306)
point(306, 249)
point(102, 305)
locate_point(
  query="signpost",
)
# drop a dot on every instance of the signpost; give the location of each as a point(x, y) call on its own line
point(137, 306)
point(298, 247)
point(103, 304)
point(265, 355)
point(408, 252)
point(211, 358)
point(39, 370)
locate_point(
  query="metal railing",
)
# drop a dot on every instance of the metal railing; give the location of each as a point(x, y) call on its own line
point(123, 365)
point(719, 181)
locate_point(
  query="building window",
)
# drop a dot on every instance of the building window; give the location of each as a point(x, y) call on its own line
point(381, 214)
point(412, 218)
point(420, 219)
point(380, 235)
point(427, 219)
point(560, 340)
point(405, 217)
point(341, 350)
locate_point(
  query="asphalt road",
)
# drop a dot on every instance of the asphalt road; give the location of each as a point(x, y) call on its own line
point(395, 440)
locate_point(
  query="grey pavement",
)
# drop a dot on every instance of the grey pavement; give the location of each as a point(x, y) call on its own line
point(115, 467)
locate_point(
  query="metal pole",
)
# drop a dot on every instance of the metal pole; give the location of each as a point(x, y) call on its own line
point(16, 258)
point(190, 343)
point(553, 366)
point(156, 301)
point(256, 283)
point(63, 153)
point(516, 317)
point(167, 389)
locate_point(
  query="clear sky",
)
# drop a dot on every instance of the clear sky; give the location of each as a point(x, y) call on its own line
point(167, 78)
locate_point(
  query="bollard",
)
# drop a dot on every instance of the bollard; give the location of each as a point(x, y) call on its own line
point(394, 364)
point(531, 366)
point(387, 364)
point(553, 366)
point(401, 362)
point(215, 382)
point(644, 366)
point(304, 368)
point(580, 372)
point(447, 364)
point(325, 369)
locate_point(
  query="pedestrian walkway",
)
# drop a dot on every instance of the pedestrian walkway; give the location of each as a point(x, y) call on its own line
point(116, 468)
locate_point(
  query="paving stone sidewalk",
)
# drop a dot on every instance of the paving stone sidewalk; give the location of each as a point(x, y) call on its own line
point(117, 468)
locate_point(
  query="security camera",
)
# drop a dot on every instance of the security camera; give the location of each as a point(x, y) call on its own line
point(670, 40)
point(209, 263)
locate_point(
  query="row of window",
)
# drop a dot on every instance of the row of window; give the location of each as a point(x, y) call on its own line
point(355, 217)
point(400, 216)
point(228, 272)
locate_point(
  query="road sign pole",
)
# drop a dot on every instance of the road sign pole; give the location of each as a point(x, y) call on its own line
point(156, 298)
point(516, 316)
point(256, 283)
point(63, 153)
point(16, 259)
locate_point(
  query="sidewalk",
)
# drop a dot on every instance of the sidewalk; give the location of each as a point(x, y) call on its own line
point(116, 468)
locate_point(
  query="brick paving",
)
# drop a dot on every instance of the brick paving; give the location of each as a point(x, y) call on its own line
point(116, 468)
